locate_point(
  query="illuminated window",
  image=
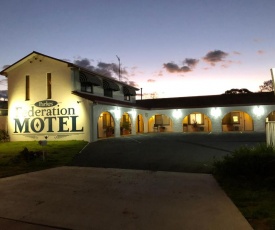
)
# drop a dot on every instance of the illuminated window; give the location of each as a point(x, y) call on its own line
point(235, 117)
point(162, 120)
point(107, 120)
point(196, 118)
point(27, 88)
point(49, 85)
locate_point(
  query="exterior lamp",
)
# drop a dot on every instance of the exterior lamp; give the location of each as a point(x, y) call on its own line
point(117, 113)
point(216, 112)
point(177, 114)
point(258, 111)
point(133, 112)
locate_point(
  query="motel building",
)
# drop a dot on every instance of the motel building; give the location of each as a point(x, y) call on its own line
point(63, 101)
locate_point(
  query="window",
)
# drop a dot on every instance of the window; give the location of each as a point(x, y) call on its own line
point(158, 119)
point(235, 117)
point(108, 93)
point(86, 88)
point(106, 120)
point(196, 118)
point(49, 85)
point(162, 120)
point(126, 98)
point(27, 90)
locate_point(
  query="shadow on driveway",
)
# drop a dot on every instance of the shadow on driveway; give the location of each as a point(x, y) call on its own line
point(178, 152)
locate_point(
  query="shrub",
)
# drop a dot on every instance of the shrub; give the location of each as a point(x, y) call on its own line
point(28, 156)
point(252, 165)
point(4, 136)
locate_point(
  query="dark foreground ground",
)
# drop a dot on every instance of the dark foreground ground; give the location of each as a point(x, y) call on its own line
point(178, 152)
point(106, 197)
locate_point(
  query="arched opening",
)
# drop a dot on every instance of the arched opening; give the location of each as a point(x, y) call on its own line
point(105, 125)
point(270, 116)
point(196, 122)
point(160, 123)
point(139, 124)
point(237, 121)
point(125, 124)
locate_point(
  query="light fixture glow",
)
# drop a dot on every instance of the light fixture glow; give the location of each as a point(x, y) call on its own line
point(133, 112)
point(258, 111)
point(117, 113)
point(216, 112)
point(177, 114)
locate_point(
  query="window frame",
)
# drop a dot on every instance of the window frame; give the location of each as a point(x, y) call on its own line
point(49, 85)
point(197, 118)
point(108, 93)
point(85, 88)
point(27, 87)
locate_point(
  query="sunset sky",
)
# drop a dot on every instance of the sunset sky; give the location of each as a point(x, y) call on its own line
point(172, 48)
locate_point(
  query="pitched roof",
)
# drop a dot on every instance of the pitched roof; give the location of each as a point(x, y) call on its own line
point(266, 98)
point(104, 100)
point(34, 54)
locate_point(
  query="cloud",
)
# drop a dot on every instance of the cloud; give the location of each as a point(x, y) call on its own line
point(257, 40)
point(65, 59)
point(5, 66)
point(151, 80)
point(174, 68)
point(213, 57)
point(160, 73)
point(133, 83)
point(260, 52)
point(191, 62)
point(236, 53)
point(110, 70)
point(85, 63)
point(188, 65)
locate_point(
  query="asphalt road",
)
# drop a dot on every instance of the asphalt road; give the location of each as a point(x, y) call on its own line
point(178, 152)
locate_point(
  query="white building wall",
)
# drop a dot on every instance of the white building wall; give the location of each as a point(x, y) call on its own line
point(65, 80)
point(21, 109)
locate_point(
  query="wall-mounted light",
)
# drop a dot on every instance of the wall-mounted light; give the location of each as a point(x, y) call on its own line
point(258, 111)
point(133, 112)
point(116, 112)
point(216, 112)
point(177, 113)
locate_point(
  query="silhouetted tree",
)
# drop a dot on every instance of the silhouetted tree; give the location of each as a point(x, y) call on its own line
point(237, 91)
point(267, 86)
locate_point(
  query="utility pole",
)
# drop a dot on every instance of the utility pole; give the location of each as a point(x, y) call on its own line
point(118, 68)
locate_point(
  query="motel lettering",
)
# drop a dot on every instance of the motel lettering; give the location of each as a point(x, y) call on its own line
point(50, 120)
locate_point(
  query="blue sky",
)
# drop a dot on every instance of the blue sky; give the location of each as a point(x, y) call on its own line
point(169, 48)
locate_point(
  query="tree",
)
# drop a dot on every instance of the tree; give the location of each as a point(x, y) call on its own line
point(237, 91)
point(267, 86)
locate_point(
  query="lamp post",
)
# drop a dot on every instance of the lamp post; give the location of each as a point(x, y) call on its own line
point(272, 76)
point(118, 67)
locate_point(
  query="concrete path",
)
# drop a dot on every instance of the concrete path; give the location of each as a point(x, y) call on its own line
point(116, 199)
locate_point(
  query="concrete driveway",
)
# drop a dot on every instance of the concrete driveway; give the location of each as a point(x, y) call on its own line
point(178, 152)
point(120, 199)
point(115, 199)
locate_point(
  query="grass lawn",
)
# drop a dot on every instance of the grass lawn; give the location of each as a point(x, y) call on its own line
point(257, 204)
point(57, 153)
point(248, 178)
